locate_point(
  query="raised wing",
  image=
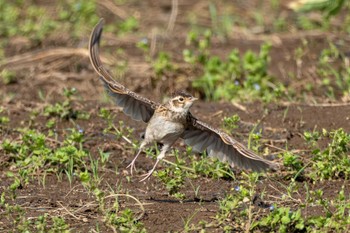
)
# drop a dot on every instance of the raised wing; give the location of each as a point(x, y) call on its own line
point(218, 144)
point(133, 105)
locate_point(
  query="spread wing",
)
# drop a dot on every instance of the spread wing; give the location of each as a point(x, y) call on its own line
point(218, 144)
point(133, 105)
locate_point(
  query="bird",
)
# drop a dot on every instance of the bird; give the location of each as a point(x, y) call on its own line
point(166, 123)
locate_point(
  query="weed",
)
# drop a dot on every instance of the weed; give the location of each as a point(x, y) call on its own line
point(202, 45)
point(8, 76)
point(144, 45)
point(79, 14)
point(59, 225)
point(235, 210)
point(334, 78)
point(33, 154)
point(162, 64)
point(187, 227)
point(305, 23)
point(4, 120)
point(210, 167)
point(312, 137)
point(333, 161)
point(129, 25)
point(328, 7)
point(334, 211)
point(51, 123)
point(123, 220)
point(221, 23)
point(173, 177)
point(280, 25)
point(121, 131)
point(106, 115)
point(282, 220)
point(104, 156)
point(41, 223)
point(292, 161)
point(230, 123)
point(243, 77)
point(33, 20)
point(65, 109)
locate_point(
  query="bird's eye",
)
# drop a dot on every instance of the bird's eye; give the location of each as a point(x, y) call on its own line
point(181, 99)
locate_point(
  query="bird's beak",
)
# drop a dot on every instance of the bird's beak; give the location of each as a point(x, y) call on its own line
point(194, 99)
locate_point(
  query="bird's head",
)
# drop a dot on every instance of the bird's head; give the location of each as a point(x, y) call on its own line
point(181, 102)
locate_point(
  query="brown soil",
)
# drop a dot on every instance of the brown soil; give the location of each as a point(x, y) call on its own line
point(282, 123)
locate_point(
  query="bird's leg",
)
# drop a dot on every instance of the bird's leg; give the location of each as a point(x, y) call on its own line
point(159, 157)
point(150, 172)
point(132, 164)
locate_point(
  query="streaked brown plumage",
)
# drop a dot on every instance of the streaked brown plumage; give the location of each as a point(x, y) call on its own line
point(173, 120)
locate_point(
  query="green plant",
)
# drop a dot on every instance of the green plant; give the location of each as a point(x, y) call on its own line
point(210, 167)
point(333, 214)
point(128, 25)
point(65, 110)
point(202, 44)
point(79, 14)
point(333, 161)
point(34, 22)
point(173, 177)
point(59, 225)
point(281, 219)
point(41, 223)
point(8, 76)
point(305, 23)
point(328, 7)
point(104, 156)
point(123, 220)
point(235, 209)
point(32, 154)
point(222, 22)
point(162, 64)
point(243, 77)
point(4, 120)
point(230, 123)
point(312, 137)
point(292, 161)
point(334, 77)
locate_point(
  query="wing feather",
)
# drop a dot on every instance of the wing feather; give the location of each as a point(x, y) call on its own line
point(133, 105)
point(218, 144)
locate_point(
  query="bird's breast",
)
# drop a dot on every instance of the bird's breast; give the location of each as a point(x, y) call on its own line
point(162, 128)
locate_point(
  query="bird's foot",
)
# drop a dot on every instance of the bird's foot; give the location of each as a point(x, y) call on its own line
point(132, 166)
point(149, 173)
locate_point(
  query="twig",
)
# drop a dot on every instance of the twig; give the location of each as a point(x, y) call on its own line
point(70, 213)
point(72, 189)
point(125, 138)
point(316, 104)
point(109, 5)
point(153, 42)
point(239, 106)
point(37, 56)
point(278, 148)
point(27, 59)
point(173, 15)
point(132, 197)
point(180, 166)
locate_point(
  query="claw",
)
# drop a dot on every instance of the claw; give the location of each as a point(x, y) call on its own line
point(150, 172)
point(147, 175)
point(132, 164)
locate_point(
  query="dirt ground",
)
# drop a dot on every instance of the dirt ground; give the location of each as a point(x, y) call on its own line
point(283, 123)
